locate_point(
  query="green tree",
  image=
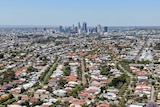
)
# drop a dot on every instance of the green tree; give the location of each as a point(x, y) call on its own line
point(144, 96)
point(113, 105)
point(105, 69)
point(32, 69)
point(1, 55)
point(19, 97)
point(25, 103)
point(37, 103)
point(141, 67)
point(118, 81)
point(61, 82)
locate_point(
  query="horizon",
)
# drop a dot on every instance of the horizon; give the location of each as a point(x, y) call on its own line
point(1, 26)
point(66, 13)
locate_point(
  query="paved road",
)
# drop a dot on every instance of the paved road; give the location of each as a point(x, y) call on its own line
point(141, 50)
point(129, 74)
point(152, 94)
point(83, 72)
point(153, 90)
point(50, 70)
point(153, 75)
point(138, 65)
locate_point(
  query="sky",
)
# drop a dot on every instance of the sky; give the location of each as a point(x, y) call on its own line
point(69, 12)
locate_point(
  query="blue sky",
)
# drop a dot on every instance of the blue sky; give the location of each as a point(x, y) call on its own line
point(68, 12)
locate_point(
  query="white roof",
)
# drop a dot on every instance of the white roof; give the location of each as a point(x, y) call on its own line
point(94, 88)
point(60, 67)
point(74, 105)
point(95, 82)
point(142, 77)
point(40, 91)
point(14, 106)
point(72, 82)
point(60, 92)
point(135, 105)
point(53, 100)
point(28, 85)
point(18, 88)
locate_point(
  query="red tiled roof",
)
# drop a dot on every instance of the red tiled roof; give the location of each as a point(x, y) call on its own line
point(142, 84)
point(91, 56)
point(20, 71)
point(92, 68)
point(28, 56)
point(103, 105)
point(3, 96)
point(33, 99)
point(90, 91)
point(1, 65)
point(83, 95)
point(18, 81)
point(45, 105)
point(25, 98)
point(78, 102)
point(71, 78)
point(142, 73)
point(71, 54)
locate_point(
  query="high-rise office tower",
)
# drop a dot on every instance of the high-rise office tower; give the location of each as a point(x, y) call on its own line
point(76, 29)
point(44, 29)
point(105, 29)
point(79, 29)
point(61, 28)
point(99, 28)
point(84, 27)
point(73, 27)
point(79, 25)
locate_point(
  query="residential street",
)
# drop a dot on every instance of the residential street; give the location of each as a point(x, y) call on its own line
point(83, 72)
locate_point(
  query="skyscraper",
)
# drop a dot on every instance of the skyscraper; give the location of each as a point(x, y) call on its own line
point(105, 29)
point(84, 27)
point(79, 25)
point(79, 28)
point(99, 28)
point(61, 28)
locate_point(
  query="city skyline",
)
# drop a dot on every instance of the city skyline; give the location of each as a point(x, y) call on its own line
point(66, 13)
